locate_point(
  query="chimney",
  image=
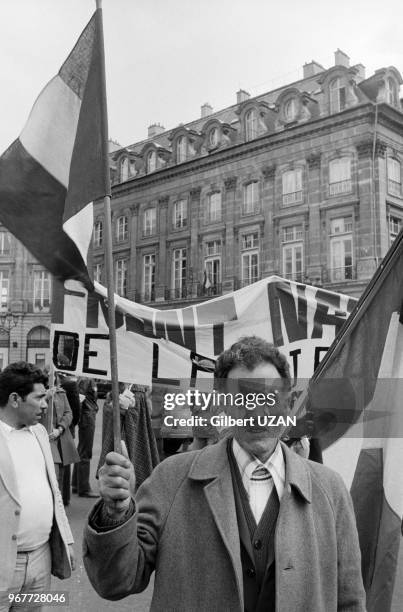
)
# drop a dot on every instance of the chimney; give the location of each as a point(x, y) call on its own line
point(360, 68)
point(241, 96)
point(206, 110)
point(311, 68)
point(341, 59)
point(155, 129)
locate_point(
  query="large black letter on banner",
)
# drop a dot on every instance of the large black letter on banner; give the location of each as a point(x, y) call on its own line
point(70, 343)
point(88, 353)
point(296, 323)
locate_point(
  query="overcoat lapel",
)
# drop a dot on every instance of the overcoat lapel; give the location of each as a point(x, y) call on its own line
point(212, 464)
point(7, 472)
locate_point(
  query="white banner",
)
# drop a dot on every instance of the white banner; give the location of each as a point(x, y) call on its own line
point(168, 345)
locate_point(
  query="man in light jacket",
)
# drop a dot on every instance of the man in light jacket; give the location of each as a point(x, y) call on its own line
point(245, 525)
point(35, 537)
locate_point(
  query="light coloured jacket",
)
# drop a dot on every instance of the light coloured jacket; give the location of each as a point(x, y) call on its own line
point(187, 532)
point(10, 509)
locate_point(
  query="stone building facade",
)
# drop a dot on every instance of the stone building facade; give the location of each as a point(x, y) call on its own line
point(25, 301)
point(303, 182)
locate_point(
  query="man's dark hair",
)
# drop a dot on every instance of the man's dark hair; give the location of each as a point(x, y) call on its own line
point(20, 378)
point(249, 352)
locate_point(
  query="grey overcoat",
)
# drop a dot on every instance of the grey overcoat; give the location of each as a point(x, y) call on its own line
point(186, 529)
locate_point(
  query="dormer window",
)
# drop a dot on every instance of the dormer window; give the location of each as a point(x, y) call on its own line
point(213, 137)
point(151, 162)
point(181, 149)
point(124, 169)
point(290, 109)
point(337, 93)
point(391, 92)
point(251, 124)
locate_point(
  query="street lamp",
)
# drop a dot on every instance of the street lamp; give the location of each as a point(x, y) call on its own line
point(8, 320)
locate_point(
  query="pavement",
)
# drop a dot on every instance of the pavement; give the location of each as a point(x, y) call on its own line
point(82, 597)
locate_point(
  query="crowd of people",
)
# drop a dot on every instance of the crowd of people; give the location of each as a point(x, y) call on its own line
point(244, 524)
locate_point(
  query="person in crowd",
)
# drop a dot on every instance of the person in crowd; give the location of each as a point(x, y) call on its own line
point(86, 431)
point(35, 536)
point(69, 383)
point(136, 429)
point(243, 525)
point(64, 451)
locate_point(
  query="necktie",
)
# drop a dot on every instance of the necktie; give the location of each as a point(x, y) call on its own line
point(260, 473)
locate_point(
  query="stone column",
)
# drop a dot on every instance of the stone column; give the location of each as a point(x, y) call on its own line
point(164, 266)
point(315, 251)
point(134, 279)
point(194, 263)
point(268, 255)
point(368, 217)
point(228, 269)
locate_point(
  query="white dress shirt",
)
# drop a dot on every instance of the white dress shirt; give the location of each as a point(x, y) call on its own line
point(35, 494)
point(259, 478)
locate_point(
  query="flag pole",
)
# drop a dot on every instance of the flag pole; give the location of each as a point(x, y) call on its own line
point(108, 243)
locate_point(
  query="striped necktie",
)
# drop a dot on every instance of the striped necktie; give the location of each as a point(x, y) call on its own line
point(260, 473)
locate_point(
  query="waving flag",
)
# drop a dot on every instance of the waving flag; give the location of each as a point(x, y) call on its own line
point(356, 404)
point(51, 174)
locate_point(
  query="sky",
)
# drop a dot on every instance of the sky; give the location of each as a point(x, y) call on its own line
point(165, 58)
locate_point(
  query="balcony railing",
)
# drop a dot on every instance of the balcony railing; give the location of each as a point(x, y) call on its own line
point(245, 282)
point(394, 188)
point(189, 291)
point(340, 187)
point(250, 209)
point(294, 197)
point(298, 277)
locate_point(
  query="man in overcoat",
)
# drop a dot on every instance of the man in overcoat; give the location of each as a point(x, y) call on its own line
point(243, 525)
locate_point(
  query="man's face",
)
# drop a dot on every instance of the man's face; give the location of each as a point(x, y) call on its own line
point(28, 411)
point(264, 380)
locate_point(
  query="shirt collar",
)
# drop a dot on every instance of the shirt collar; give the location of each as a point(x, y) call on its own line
point(8, 429)
point(248, 463)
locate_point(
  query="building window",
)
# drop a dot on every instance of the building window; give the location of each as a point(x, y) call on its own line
point(214, 207)
point(212, 275)
point(124, 169)
point(293, 252)
point(181, 149)
point(149, 277)
point(122, 232)
point(4, 289)
point(251, 124)
point(250, 258)
point(213, 247)
point(250, 198)
point(98, 234)
point(180, 214)
point(292, 187)
point(290, 109)
point(179, 273)
point(5, 243)
point(150, 222)
point(341, 249)
point(391, 92)
point(337, 96)
point(340, 176)
point(121, 277)
point(151, 161)
point(395, 225)
point(98, 269)
point(40, 360)
point(213, 137)
point(394, 178)
point(41, 291)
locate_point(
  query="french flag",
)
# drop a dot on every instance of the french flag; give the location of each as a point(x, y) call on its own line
point(52, 173)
